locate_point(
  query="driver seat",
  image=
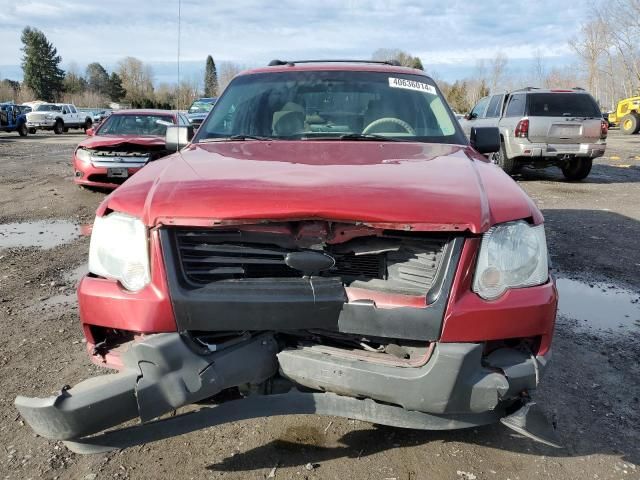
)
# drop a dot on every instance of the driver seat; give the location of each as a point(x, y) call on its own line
point(377, 109)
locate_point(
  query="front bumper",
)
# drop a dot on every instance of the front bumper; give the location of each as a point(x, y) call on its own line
point(556, 151)
point(43, 125)
point(457, 388)
point(92, 175)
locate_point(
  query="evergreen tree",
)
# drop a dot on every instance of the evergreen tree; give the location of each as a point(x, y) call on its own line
point(210, 78)
point(40, 65)
point(97, 78)
point(116, 92)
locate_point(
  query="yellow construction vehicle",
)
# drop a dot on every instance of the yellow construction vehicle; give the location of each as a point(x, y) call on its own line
point(627, 115)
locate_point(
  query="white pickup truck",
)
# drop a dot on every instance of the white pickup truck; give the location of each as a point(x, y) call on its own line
point(59, 117)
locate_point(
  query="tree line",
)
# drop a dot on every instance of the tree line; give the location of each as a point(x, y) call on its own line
point(131, 82)
point(607, 49)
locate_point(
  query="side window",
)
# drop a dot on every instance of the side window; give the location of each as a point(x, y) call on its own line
point(516, 106)
point(478, 110)
point(495, 106)
point(65, 110)
point(72, 109)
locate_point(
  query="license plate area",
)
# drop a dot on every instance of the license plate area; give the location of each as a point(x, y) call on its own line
point(565, 131)
point(120, 172)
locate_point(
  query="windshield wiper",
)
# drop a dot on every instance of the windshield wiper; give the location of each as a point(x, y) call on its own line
point(235, 138)
point(368, 136)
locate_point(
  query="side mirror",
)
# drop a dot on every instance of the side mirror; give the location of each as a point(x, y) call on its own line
point(471, 116)
point(90, 132)
point(485, 139)
point(178, 137)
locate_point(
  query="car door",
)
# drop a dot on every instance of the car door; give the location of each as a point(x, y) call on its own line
point(75, 115)
point(67, 118)
point(475, 115)
point(494, 112)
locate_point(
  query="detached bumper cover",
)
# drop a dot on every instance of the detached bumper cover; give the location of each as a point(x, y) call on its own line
point(160, 375)
point(453, 390)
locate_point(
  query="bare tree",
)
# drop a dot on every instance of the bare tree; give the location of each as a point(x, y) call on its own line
point(497, 70)
point(226, 72)
point(137, 79)
point(590, 46)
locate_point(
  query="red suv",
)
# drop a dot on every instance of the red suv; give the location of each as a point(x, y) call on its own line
point(122, 145)
point(329, 242)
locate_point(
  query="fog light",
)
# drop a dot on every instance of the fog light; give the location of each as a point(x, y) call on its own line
point(79, 173)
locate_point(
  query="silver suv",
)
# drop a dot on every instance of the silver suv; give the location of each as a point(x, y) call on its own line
point(541, 127)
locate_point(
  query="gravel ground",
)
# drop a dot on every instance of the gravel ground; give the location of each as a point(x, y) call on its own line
point(591, 389)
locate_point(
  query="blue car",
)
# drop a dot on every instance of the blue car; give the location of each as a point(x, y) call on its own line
point(13, 119)
point(199, 110)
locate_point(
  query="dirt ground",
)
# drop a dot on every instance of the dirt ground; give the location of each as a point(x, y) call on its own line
point(591, 390)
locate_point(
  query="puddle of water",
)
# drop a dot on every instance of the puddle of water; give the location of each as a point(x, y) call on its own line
point(44, 234)
point(599, 306)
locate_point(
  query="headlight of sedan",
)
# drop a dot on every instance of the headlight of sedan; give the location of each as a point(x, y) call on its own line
point(83, 155)
point(120, 250)
point(512, 255)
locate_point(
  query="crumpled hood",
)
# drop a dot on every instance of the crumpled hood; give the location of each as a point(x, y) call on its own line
point(113, 140)
point(398, 185)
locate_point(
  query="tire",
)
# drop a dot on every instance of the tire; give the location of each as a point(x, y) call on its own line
point(630, 123)
point(87, 125)
point(23, 131)
point(577, 169)
point(500, 158)
point(32, 131)
point(58, 128)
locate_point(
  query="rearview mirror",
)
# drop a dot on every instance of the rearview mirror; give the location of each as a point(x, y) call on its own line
point(485, 139)
point(178, 137)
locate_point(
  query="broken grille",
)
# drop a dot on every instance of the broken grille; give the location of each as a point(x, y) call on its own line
point(387, 263)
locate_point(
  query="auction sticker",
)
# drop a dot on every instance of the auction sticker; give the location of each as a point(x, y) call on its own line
point(411, 85)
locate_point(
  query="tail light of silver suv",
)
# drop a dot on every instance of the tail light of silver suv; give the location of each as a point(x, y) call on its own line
point(522, 129)
point(604, 129)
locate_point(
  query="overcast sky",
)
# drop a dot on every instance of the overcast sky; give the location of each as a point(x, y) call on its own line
point(449, 36)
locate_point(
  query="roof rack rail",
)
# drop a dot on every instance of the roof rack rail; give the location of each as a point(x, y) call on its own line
point(526, 89)
point(577, 88)
point(291, 63)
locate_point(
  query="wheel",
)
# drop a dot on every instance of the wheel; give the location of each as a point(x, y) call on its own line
point(577, 169)
point(32, 131)
point(630, 123)
point(500, 158)
point(87, 125)
point(58, 128)
point(23, 130)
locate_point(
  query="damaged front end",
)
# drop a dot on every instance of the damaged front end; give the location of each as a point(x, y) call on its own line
point(303, 317)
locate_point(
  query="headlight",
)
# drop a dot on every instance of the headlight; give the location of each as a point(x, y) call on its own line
point(119, 250)
point(83, 155)
point(512, 255)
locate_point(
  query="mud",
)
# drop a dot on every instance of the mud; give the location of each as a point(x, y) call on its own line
point(591, 390)
point(42, 234)
point(599, 306)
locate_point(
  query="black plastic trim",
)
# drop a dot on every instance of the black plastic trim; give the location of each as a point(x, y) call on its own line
point(283, 304)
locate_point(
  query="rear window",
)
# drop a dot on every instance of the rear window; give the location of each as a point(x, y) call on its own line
point(562, 105)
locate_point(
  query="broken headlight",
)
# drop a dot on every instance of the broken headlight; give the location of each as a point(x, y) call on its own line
point(512, 255)
point(83, 155)
point(120, 250)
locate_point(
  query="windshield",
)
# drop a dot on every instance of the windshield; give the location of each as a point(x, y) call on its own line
point(48, 108)
point(201, 106)
point(332, 105)
point(130, 124)
point(562, 105)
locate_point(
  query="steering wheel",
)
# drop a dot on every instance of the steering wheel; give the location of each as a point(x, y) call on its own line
point(391, 120)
